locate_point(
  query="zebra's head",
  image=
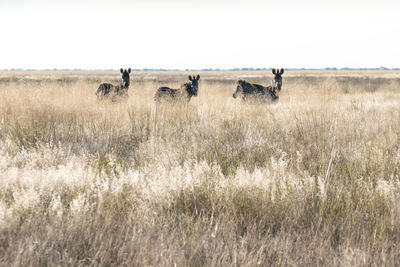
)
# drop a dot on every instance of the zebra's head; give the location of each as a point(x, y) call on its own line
point(125, 80)
point(241, 85)
point(194, 86)
point(239, 89)
point(277, 78)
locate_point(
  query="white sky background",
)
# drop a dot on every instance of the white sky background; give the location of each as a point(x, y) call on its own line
point(199, 34)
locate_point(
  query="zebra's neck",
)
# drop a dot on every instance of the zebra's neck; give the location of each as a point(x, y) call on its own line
point(187, 88)
point(122, 86)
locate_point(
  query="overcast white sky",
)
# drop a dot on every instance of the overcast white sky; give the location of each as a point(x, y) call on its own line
point(99, 34)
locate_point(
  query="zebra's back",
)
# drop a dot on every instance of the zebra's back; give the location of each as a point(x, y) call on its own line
point(260, 91)
point(165, 92)
point(266, 91)
point(104, 89)
point(108, 89)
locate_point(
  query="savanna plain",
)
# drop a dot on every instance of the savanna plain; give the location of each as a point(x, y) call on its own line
point(313, 179)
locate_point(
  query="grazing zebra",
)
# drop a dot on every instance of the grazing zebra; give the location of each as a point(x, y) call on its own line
point(256, 91)
point(107, 89)
point(186, 91)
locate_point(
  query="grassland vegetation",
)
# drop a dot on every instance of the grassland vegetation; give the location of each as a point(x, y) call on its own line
point(313, 179)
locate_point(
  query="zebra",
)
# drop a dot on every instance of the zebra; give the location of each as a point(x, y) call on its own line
point(107, 89)
point(187, 91)
point(278, 79)
point(256, 91)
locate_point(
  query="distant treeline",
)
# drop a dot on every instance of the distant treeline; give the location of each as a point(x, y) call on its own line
point(209, 69)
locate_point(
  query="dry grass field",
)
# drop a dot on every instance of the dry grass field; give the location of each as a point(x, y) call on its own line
point(313, 179)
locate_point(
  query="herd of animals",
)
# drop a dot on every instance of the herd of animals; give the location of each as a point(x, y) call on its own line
point(244, 89)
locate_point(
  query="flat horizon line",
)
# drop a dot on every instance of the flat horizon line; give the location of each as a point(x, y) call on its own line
point(205, 69)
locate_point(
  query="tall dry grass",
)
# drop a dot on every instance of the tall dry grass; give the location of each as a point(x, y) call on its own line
point(310, 180)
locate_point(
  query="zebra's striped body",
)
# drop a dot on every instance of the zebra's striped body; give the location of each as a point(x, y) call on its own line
point(256, 91)
point(187, 91)
point(107, 89)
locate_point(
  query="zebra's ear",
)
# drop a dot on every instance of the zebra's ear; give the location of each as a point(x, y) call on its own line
point(274, 71)
point(121, 70)
point(282, 71)
point(190, 78)
point(198, 77)
point(129, 70)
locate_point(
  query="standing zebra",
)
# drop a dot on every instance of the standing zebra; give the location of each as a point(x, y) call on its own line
point(186, 91)
point(107, 89)
point(256, 91)
point(277, 79)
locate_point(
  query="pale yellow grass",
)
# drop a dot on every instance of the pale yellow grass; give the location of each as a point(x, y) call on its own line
point(214, 182)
